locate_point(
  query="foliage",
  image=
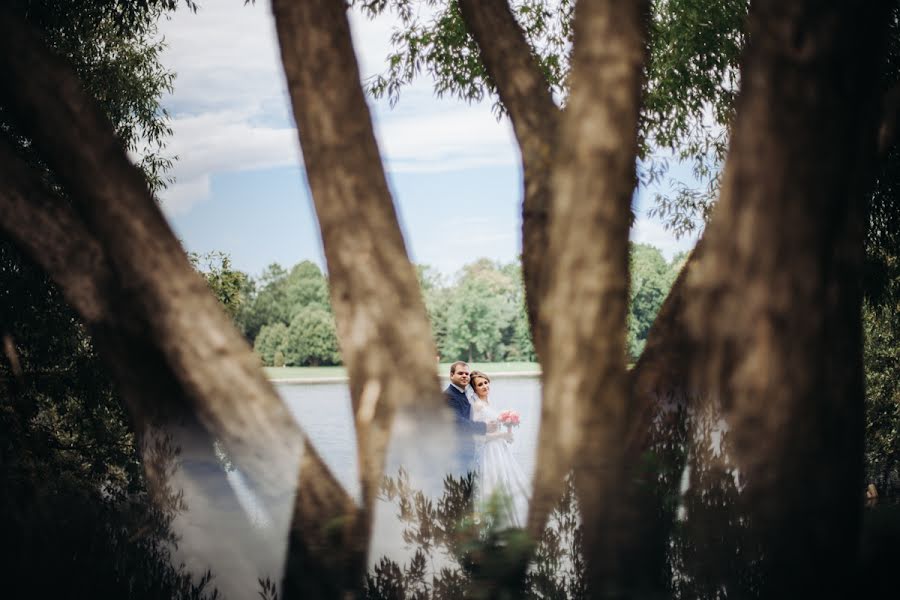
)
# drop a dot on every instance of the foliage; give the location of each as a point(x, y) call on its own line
point(311, 338)
point(651, 279)
point(432, 36)
point(692, 84)
point(883, 223)
point(272, 339)
point(278, 295)
point(475, 558)
point(692, 78)
point(479, 316)
point(437, 300)
point(290, 315)
point(521, 347)
point(114, 47)
point(480, 312)
point(712, 552)
point(881, 360)
point(228, 285)
point(74, 502)
point(266, 302)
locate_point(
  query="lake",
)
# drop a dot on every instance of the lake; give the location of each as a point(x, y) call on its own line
point(214, 535)
point(324, 413)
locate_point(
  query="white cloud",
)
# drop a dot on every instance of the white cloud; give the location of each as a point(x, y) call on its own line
point(646, 231)
point(457, 137)
point(179, 197)
point(225, 56)
point(231, 110)
point(218, 142)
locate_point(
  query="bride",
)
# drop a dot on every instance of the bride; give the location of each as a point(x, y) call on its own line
point(499, 478)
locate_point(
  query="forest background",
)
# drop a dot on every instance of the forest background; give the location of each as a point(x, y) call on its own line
point(478, 314)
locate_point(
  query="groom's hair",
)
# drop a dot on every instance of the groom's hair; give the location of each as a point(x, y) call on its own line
point(458, 363)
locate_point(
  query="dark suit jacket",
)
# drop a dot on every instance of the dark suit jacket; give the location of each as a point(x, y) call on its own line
point(465, 426)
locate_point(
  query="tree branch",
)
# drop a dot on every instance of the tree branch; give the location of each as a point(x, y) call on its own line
point(522, 87)
point(585, 379)
point(153, 317)
point(382, 324)
point(525, 93)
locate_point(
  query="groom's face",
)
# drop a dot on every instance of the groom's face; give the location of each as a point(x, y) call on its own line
point(460, 377)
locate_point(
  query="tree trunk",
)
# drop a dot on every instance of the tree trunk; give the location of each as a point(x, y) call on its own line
point(381, 320)
point(585, 380)
point(170, 347)
point(535, 117)
point(774, 310)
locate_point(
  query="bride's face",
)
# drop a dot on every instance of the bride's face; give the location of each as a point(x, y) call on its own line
point(482, 387)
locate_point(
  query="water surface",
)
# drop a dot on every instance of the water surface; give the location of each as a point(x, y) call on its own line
point(324, 413)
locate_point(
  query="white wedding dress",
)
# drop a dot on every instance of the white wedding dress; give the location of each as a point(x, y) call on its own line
point(499, 476)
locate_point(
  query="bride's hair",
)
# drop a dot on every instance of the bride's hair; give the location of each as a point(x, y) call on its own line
point(475, 374)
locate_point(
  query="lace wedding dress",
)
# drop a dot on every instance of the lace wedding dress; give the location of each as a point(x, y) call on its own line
point(499, 478)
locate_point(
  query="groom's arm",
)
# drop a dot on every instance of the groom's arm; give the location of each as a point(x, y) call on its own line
point(469, 426)
point(463, 422)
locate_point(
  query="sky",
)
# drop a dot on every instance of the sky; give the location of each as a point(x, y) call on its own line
point(239, 185)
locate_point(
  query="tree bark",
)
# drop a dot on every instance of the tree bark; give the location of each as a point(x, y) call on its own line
point(382, 324)
point(774, 311)
point(525, 93)
point(585, 380)
point(171, 348)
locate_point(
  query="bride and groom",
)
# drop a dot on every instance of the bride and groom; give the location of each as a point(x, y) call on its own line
point(483, 447)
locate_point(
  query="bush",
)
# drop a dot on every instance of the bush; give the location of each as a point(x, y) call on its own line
point(271, 339)
point(312, 339)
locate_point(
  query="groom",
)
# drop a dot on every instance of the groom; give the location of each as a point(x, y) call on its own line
point(462, 413)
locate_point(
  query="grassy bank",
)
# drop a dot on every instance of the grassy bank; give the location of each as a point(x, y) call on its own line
point(280, 373)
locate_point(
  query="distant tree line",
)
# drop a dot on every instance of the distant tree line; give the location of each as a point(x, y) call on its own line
point(478, 315)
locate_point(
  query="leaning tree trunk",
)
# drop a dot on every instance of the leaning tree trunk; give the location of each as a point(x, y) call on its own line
point(535, 118)
point(526, 95)
point(381, 319)
point(774, 299)
point(174, 353)
point(585, 379)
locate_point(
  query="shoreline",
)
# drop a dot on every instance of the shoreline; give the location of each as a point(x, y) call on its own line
point(345, 379)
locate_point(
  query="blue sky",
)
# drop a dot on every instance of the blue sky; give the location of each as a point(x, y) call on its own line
point(453, 168)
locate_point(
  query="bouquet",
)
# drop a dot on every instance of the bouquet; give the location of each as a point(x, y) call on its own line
point(510, 418)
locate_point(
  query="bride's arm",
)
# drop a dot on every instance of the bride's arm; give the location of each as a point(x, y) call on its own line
point(499, 435)
point(492, 428)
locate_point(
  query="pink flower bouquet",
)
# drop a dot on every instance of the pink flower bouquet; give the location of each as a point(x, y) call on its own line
point(510, 418)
